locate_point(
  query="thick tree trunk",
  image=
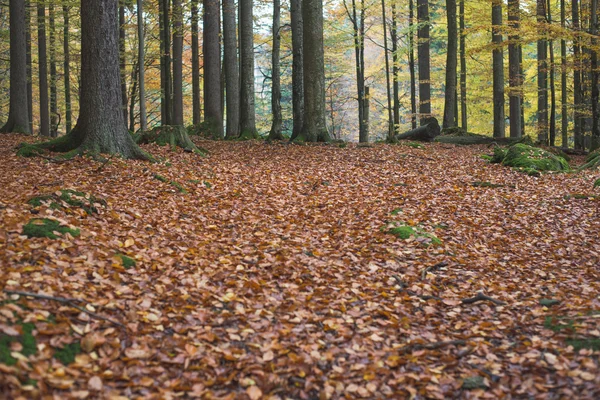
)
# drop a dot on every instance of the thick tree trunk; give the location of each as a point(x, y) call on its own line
point(297, 69)
point(275, 133)
point(542, 59)
point(29, 64)
point(141, 66)
point(498, 63)
point(53, 91)
point(232, 74)
point(424, 60)
point(514, 70)
point(463, 70)
point(451, 66)
point(314, 128)
point(43, 71)
point(18, 115)
point(563, 80)
point(411, 64)
point(552, 127)
point(122, 64)
point(429, 129)
point(67, 71)
point(359, 66)
point(395, 68)
point(577, 103)
point(247, 107)
point(212, 69)
point(390, 135)
point(177, 63)
point(595, 143)
point(165, 63)
point(196, 115)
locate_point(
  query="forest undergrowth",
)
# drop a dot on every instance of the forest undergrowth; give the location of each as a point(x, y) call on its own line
point(305, 272)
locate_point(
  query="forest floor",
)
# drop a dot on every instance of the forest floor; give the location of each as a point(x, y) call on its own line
point(268, 273)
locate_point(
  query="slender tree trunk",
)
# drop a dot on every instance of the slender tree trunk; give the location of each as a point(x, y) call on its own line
point(542, 59)
point(133, 94)
point(451, 66)
point(232, 75)
point(67, 70)
point(247, 107)
point(514, 70)
point(122, 64)
point(275, 133)
point(424, 60)
point(43, 71)
point(29, 64)
point(166, 80)
point(498, 63)
point(577, 77)
point(177, 63)
point(142, 66)
point(196, 115)
point(411, 64)
point(395, 68)
point(297, 67)
point(387, 80)
point(314, 128)
point(552, 127)
point(18, 114)
point(563, 80)
point(463, 70)
point(522, 97)
point(595, 143)
point(53, 91)
point(359, 45)
point(212, 69)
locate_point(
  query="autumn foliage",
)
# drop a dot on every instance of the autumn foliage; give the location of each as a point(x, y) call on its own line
point(274, 275)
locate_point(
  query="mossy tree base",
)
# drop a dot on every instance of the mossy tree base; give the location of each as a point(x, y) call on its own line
point(248, 134)
point(174, 136)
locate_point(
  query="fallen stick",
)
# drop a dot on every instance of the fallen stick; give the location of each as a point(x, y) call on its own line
point(67, 301)
point(482, 297)
point(433, 268)
point(431, 346)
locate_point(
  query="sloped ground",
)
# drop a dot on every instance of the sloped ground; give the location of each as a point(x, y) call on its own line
point(273, 276)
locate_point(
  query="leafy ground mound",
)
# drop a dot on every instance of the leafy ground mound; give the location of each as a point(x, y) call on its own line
point(271, 275)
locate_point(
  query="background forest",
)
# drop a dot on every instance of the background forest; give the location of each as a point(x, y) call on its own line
point(552, 77)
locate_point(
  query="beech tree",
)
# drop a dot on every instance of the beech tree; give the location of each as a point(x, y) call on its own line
point(213, 113)
point(232, 75)
point(451, 66)
point(297, 67)
point(247, 106)
point(498, 66)
point(43, 71)
point(18, 115)
point(424, 60)
point(275, 133)
point(514, 70)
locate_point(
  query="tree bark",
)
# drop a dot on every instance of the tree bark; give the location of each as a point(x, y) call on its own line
point(275, 133)
point(424, 60)
point(196, 115)
point(552, 70)
point(177, 63)
point(142, 66)
point(563, 80)
point(29, 64)
point(297, 69)
point(514, 70)
point(595, 142)
point(232, 74)
point(577, 76)
point(542, 59)
point(122, 64)
point(451, 66)
point(18, 114)
point(429, 129)
point(395, 67)
point(247, 106)
point(463, 70)
point(498, 65)
point(390, 135)
point(212, 69)
point(43, 71)
point(53, 91)
point(67, 70)
point(165, 63)
point(411, 64)
point(314, 128)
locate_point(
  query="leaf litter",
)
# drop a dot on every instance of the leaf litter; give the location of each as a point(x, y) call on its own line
point(271, 275)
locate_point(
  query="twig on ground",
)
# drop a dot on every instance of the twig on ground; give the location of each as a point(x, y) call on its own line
point(67, 301)
point(433, 268)
point(482, 297)
point(106, 160)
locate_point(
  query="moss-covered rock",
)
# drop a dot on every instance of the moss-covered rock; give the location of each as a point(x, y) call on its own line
point(403, 231)
point(529, 159)
point(592, 161)
point(47, 228)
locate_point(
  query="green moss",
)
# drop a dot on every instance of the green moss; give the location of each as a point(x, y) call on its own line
point(587, 343)
point(38, 200)
point(160, 178)
point(70, 197)
point(592, 161)
point(549, 302)
point(403, 231)
point(29, 150)
point(208, 184)
point(414, 145)
point(529, 159)
point(5, 357)
point(396, 211)
point(177, 185)
point(66, 354)
point(126, 261)
point(248, 134)
point(342, 145)
point(486, 184)
point(474, 382)
point(557, 324)
point(44, 227)
point(27, 340)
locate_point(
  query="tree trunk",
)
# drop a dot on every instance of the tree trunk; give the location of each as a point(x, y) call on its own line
point(275, 133)
point(542, 59)
point(552, 128)
point(451, 66)
point(177, 63)
point(390, 136)
point(498, 63)
point(359, 45)
point(18, 115)
point(395, 68)
point(514, 70)
point(577, 103)
point(122, 63)
point(463, 70)
point(247, 107)
point(67, 71)
point(314, 128)
point(28, 64)
point(595, 143)
point(196, 115)
point(141, 66)
point(411, 64)
point(424, 60)
point(43, 71)
point(165, 63)
point(53, 91)
point(429, 129)
point(133, 94)
point(563, 80)
point(232, 74)
point(297, 71)
point(212, 69)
